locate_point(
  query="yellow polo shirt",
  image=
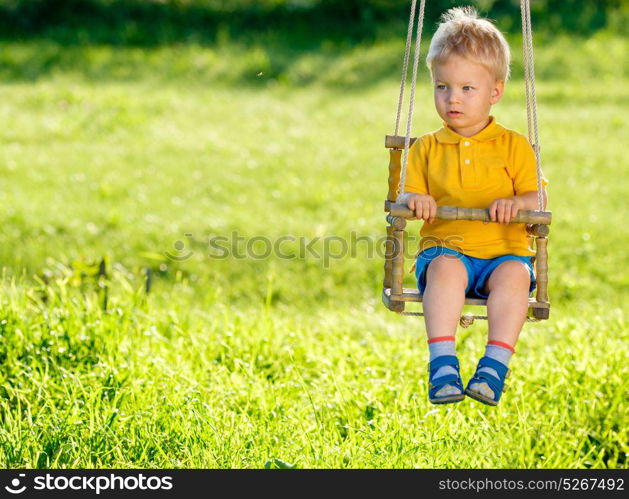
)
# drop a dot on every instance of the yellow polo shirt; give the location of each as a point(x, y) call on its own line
point(472, 172)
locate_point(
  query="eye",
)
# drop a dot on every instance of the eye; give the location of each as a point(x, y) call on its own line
point(440, 86)
point(468, 87)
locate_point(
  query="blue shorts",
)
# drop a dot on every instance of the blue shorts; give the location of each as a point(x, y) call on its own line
point(478, 269)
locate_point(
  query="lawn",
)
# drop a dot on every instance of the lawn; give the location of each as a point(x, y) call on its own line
point(241, 356)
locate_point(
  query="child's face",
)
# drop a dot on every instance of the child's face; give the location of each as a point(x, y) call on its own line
point(464, 94)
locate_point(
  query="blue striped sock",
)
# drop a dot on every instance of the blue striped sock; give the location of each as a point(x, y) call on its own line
point(439, 349)
point(499, 353)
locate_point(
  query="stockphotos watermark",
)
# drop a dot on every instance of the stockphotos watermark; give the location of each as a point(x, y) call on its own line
point(95, 484)
point(292, 247)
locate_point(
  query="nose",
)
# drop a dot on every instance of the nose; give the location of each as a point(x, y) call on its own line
point(453, 97)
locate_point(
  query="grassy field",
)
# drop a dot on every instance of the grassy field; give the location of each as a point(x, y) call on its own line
point(133, 155)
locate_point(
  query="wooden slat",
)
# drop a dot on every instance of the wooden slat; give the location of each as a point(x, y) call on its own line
point(395, 306)
point(397, 222)
point(538, 230)
point(395, 167)
point(388, 258)
point(413, 295)
point(541, 267)
point(397, 141)
point(474, 214)
point(397, 261)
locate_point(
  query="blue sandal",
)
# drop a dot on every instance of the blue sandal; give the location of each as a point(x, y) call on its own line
point(497, 385)
point(441, 381)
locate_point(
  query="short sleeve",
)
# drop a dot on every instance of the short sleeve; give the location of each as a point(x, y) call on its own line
point(416, 180)
point(523, 167)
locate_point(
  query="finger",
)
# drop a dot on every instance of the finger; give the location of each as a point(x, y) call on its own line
point(514, 212)
point(433, 211)
point(426, 209)
point(419, 210)
point(507, 215)
point(492, 212)
point(414, 205)
point(411, 206)
point(501, 213)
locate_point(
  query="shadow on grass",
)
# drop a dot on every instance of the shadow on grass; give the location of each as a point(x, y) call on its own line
point(151, 23)
point(348, 46)
point(297, 57)
point(285, 59)
point(157, 22)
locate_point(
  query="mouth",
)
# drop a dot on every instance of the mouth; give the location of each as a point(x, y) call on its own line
point(454, 114)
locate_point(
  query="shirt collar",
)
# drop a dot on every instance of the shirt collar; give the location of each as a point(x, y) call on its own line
point(493, 130)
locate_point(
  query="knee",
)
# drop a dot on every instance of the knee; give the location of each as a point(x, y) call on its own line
point(510, 273)
point(447, 267)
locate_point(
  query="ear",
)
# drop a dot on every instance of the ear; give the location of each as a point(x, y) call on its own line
point(497, 92)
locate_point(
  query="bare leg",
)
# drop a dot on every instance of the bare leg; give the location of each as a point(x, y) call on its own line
point(444, 296)
point(443, 299)
point(508, 302)
point(507, 305)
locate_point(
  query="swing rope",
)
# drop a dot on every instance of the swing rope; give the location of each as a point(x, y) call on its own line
point(529, 77)
point(407, 138)
point(409, 38)
point(531, 99)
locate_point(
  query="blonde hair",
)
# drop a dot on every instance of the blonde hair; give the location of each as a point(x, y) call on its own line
point(463, 33)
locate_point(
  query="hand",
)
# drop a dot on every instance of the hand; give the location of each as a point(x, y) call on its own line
point(424, 206)
point(503, 210)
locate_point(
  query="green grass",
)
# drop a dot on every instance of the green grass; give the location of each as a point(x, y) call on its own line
point(246, 362)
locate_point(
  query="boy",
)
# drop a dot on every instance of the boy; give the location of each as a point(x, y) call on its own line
point(474, 162)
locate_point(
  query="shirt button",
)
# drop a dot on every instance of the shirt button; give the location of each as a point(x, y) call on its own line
point(466, 143)
point(467, 161)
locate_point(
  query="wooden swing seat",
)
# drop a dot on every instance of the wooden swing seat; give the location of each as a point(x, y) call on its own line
point(395, 296)
point(538, 310)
